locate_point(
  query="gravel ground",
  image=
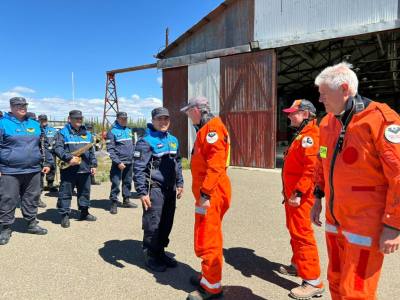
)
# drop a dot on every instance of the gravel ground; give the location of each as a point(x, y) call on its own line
point(103, 260)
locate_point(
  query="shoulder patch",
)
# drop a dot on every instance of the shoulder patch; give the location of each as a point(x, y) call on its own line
point(307, 142)
point(392, 133)
point(212, 137)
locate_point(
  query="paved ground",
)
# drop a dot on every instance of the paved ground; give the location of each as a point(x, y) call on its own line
point(103, 260)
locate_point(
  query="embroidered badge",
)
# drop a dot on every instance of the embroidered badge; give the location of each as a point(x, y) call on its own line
point(212, 137)
point(392, 133)
point(307, 142)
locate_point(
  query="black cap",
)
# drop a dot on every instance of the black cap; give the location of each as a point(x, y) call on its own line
point(159, 112)
point(122, 114)
point(75, 114)
point(42, 118)
point(18, 101)
point(31, 115)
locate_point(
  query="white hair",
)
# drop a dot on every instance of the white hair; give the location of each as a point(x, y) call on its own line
point(338, 74)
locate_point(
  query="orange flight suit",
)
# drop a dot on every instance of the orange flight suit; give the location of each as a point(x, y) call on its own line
point(360, 175)
point(210, 159)
point(298, 174)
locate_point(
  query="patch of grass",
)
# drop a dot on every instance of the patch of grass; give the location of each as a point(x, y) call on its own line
point(103, 167)
point(185, 164)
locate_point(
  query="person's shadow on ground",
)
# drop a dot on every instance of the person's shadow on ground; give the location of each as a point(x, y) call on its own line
point(52, 215)
point(101, 203)
point(250, 264)
point(233, 292)
point(117, 252)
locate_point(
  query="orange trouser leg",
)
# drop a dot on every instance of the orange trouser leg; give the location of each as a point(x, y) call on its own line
point(304, 247)
point(208, 241)
point(353, 270)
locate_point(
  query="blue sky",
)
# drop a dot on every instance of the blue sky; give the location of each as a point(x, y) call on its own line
point(43, 41)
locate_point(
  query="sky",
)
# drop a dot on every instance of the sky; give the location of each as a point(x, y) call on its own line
point(43, 41)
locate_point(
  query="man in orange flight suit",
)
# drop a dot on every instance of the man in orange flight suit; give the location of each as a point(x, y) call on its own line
point(212, 190)
point(298, 186)
point(360, 178)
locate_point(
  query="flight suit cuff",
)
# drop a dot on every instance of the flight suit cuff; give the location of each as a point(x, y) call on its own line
point(391, 221)
point(205, 196)
point(391, 227)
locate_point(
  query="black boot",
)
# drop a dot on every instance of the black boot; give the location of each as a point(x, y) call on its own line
point(5, 234)
point(114, 207)
point(195, 280)
point(51, 187)
point(85, 216)
point(65, 221)
point(153, 262)
point(170, 262)
point(126, 203)
point(41, 204)
point(34, 228)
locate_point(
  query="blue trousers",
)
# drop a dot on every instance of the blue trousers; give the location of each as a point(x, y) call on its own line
point(69, 180)
point(116, 176)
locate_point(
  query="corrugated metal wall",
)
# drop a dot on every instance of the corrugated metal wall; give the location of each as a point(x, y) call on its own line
point(294, 19)
point(175, 95)
point(248, 107)
point(204, 80)
point(233, 27)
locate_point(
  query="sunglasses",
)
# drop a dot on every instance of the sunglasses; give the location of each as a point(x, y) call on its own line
point(20, 106)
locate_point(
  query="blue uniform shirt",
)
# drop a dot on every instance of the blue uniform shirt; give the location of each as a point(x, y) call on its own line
point(23, 146)
point(68, 140)
point(157, 153)
point(120, 144)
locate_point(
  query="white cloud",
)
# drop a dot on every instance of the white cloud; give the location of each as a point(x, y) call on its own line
point(58, 108)
point(159, 80)
point(23, 90)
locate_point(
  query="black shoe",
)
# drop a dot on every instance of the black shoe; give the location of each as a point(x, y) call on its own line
point(85, 216)
point(202, 294)
point(5, 235)
point(170, 262)
point(65, 221)
point(154, 263)
point(114, 207)
point(95, 183)
point(34, 228)
point(195, 280)
point(128, 204)
point(53, 189)
point(41, 204)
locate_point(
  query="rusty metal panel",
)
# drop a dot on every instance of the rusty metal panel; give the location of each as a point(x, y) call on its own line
point(288, 22)
point(230, 25)
point(175, 95)
point(248, 107)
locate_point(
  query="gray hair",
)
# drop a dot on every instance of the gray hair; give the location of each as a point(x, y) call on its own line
point(335, 76)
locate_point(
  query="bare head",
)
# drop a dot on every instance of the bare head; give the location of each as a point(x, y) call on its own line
point(336, 84)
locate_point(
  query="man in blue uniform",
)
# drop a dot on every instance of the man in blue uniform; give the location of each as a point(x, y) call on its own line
point(158, 181)
point(22, 155)
point(69, 139)
point(50, 133)
point(120, 147)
